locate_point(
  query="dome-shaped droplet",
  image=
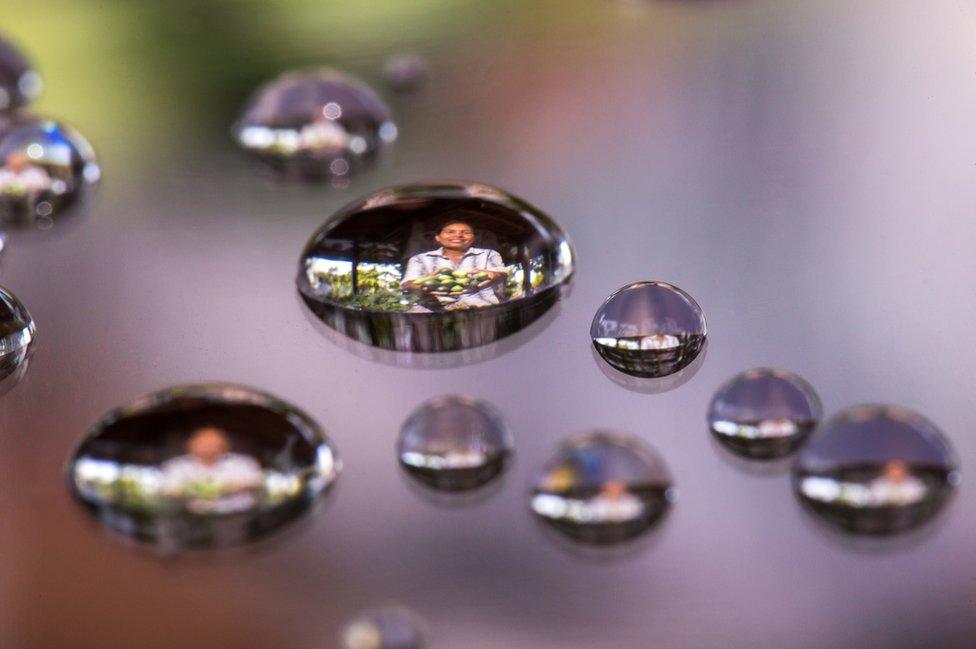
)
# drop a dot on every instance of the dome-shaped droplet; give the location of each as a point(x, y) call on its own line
point(19, 83)
point(383, 628)
point(649, 329)
point(16, 333)
point(876, 470)
point(434, 267)
point(45, 168)
point(454, 443)
point(764, 413)
point(202, 466)
point(315, 124)
point(602, 488)
point(406, 72)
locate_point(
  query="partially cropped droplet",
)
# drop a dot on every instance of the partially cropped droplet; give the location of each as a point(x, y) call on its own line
point(383, 628)
point(649, 329)
point(876, 470)
point(406, 72)
point(19, 83)
point(202, 466)
point(602, 488)
point(454, 443)
point(16, 333)
point(433, 268)
point(45, 168)
point(764, 413)
point(315, 124)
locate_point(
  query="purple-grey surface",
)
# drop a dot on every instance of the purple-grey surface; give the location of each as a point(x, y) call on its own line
point(805, 170)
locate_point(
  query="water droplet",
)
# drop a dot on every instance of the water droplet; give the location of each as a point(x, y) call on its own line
point(304, 123)
point(202, 466)
point(19, 83)
point(454, 443)
point(764, 413)
point(602, 488)
point(16, 333)
point(45, 168)
point(876, 470)
point(383, 628)
point(406, 72)
point(649, 329)
point(432, 268)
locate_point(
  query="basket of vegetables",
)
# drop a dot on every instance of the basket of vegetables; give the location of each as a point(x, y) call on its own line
point(448, 285)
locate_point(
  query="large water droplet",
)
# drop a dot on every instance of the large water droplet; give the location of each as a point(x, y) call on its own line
point(16, 333)
point(876, 470)
point(649, 329)
point(383, 628)
point(202, 466)
point(406, 72)
point(764, 413)
point(602, 488)
point(45, 168)
point(454, 443)
point(19, 83)
point(315, 124)
point(433, 268)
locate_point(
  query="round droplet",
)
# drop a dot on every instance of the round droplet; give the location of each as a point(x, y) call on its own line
point(202, 466)
point(45, 168)
point(764, 413)
point(434, 267)
point(19, 83)
point(876, 470)
point(406, 72)
point(454, 443)
point(649, 329)
point(315, 124)
point(16, 333)
point(602, 488)
point(383, 628)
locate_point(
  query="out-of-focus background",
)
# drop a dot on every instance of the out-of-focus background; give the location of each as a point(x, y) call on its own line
point(806, 170)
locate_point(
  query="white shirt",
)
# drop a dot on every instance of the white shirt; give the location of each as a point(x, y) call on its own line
point(221, 483)
point(428, 263)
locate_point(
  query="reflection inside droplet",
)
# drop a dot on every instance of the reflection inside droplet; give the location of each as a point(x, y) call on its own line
point(434, 267)
point(406, 72)
point(454, 443)
point(764, 413)
point(19, 83)
point(602, 488)
point(16, 333)
point(314, 124)
point(649, 329)
point(202, 466)
point(383, 628)
point(876, 470)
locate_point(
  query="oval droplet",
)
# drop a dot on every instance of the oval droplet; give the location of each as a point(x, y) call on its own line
point(391, 627)
point(16, 333)
point(202, 466)
point(454, 443)
point(406, 72)
point(602, 488)
point(649, 329)
point(315, 124)
point(432, 268)
point(764, 413)
point(19, 83)
point(876, 469)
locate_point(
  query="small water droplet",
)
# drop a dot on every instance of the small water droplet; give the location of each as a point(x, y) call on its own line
point(649, 329)
point(303, 123)
point(454, 443)
point(434, 267)
point(602, 488)
point(406, 72)
point(876, 470)
point(16, 333)
point(202, 466)
point(19, 83)
point(383, 628)
point(45, 168)
point(764, 413)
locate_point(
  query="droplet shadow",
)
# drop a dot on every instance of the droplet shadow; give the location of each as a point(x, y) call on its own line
point(459, 499)
point(753, 466)
point(650, 385)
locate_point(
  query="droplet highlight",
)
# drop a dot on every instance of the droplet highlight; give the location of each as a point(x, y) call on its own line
point(876, 470)
point(391, 627)
point(19, 82)
point(764, 413)
point(17, 333)
point(202, 466)
point(602, 488)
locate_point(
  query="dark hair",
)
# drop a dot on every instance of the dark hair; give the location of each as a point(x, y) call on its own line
point(444, 224)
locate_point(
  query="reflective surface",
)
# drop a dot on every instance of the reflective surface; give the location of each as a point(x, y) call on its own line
point(45, 168)
point(876, 470)
point(437, 267)
point(649, 329)
point(602, 488)
point(201, 466)
point(383, 628)
point(315, 123)
point(16, 334)
point(19, 83)
point(764, 413)
point(454, 443)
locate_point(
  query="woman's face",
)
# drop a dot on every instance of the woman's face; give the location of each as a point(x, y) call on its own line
point(456, 236)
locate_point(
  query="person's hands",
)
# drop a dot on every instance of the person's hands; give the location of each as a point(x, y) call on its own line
point(496, 277)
